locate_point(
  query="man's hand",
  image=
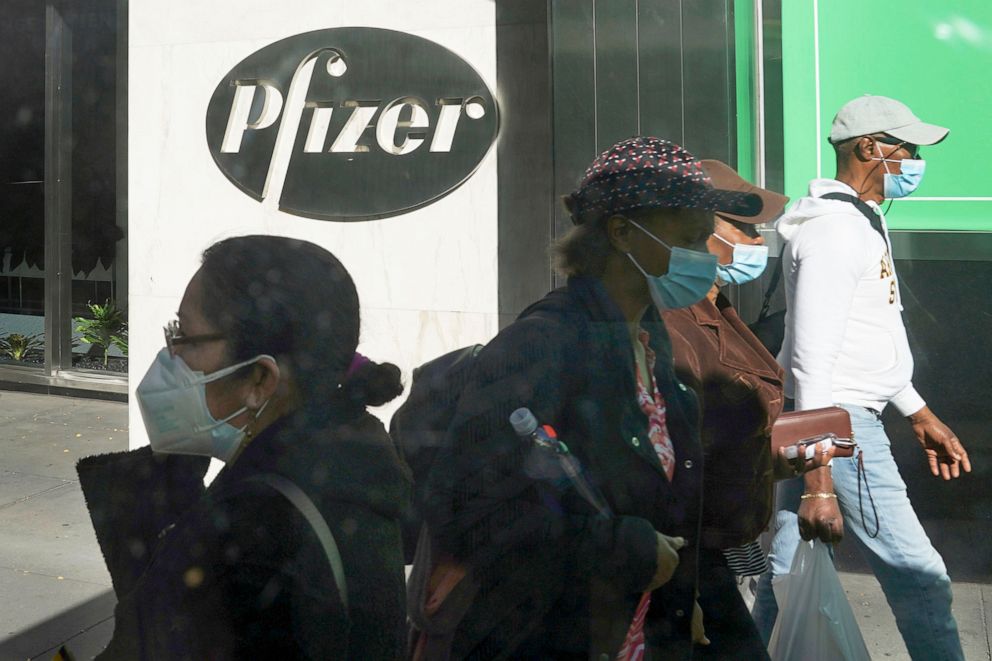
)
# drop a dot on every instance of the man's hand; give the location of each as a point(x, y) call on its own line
point(785, 468)
point(820, 518)
point(668, 560)
point(698, 631)
point(944, 451)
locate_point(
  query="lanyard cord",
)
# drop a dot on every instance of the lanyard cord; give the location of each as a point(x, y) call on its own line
point(863, 475)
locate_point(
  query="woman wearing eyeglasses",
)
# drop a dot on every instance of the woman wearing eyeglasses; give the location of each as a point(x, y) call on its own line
point(293, 551)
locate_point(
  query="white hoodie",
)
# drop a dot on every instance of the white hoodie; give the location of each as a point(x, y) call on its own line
point(845, 342)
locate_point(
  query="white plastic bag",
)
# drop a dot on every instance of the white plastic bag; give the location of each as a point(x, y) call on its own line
point(815, 621)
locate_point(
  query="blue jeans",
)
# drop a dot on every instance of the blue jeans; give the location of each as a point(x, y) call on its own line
point(909, 569)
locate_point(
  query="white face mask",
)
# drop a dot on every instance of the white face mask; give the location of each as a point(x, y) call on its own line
point(173, 403)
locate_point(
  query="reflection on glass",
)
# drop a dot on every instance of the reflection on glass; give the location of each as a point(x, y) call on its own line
point(98, 323)
point(22, 186)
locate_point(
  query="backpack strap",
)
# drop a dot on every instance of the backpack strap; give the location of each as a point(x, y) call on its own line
point(302, 502)
point(862, 206)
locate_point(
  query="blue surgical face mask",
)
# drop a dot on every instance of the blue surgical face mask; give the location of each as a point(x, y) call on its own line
point(690, 276)
point(900, 185)
point(748, 264)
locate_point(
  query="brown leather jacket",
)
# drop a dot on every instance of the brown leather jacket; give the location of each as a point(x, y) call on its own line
point(740, 389)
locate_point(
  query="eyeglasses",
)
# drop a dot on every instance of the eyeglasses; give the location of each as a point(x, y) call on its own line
point(914, 150)
point(173, 338)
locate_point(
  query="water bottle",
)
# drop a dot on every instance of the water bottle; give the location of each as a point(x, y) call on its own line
point(525, 424)
point(545, 439)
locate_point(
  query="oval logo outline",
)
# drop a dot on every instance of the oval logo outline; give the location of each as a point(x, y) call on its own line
point(351, 123)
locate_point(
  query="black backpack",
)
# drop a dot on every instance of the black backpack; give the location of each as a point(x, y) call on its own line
point(419, 427)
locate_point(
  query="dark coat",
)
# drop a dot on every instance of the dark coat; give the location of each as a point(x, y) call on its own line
point(235, 571)
point(556, 580)
point(741, 389)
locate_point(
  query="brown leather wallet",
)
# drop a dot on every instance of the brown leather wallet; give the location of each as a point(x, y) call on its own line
point(798, 426)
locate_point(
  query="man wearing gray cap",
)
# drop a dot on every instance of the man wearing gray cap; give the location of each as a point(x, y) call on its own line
point(845, 344)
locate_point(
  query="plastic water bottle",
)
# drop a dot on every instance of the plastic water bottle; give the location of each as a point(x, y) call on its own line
point(546, 439)
point(525, 424)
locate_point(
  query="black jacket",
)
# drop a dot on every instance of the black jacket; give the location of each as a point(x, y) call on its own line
point(556, 580)
point(235, 571)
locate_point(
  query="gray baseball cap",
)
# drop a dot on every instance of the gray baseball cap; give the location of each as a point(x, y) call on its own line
point(879, 114)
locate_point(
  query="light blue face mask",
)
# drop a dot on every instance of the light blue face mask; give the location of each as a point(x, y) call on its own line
point(172, 399)
point(748, 264)
point(690, 276)
point(900, 185)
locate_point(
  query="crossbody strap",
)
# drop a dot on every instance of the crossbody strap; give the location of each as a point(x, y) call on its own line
point(772, 286)
point(863, 207)
point(860, 205)
point(309, 511)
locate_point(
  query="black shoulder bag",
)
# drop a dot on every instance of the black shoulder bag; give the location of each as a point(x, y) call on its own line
point(770, 328)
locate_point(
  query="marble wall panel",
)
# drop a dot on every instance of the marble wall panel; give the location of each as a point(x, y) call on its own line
point(427, 279)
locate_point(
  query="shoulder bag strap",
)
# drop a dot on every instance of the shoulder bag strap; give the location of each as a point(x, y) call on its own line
point(862, 206)
point(309, 511)
point(772, 286)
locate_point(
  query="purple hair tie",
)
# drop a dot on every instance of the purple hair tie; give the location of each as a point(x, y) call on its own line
point(356, 364)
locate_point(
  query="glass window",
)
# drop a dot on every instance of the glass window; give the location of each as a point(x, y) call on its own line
point(22, 185)
point(62, 253)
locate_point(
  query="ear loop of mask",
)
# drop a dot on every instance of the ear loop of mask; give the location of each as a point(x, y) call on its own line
point(227, 371)
point(717, 236)
point(631, 257)
point(885, 162)
point(635, 224)
point(261, 409)
point(881, 161)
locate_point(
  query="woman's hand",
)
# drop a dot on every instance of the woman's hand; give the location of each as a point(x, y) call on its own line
point(668, 560)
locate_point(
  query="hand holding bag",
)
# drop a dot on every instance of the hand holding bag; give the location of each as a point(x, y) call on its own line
point(815, 621)
point(806, 427)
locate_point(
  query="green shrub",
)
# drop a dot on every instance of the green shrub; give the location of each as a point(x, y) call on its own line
point(105, 329)
point(21, 347)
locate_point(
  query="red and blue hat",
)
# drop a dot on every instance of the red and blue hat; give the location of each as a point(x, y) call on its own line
point(644, 172)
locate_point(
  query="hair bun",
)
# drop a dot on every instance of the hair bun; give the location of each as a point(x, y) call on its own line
point(373, 384)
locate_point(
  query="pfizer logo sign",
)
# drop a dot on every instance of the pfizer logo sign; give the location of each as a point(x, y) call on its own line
point(351, 124)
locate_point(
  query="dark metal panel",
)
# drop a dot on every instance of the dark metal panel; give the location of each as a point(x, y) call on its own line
point(615, 25)
point(773, 117)
point(58, 191)
point(121, 258)
point(526, 187)
point(933, 246)
point(660, 64)
point(947, 316)
point(574, 97)
point(942, 246)
point(708, 79)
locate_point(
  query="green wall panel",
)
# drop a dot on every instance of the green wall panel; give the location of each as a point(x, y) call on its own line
point(934, 56)
point(744, 49)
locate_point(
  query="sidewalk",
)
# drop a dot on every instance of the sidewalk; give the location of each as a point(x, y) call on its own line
point(54, 586)
point(50, 564)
